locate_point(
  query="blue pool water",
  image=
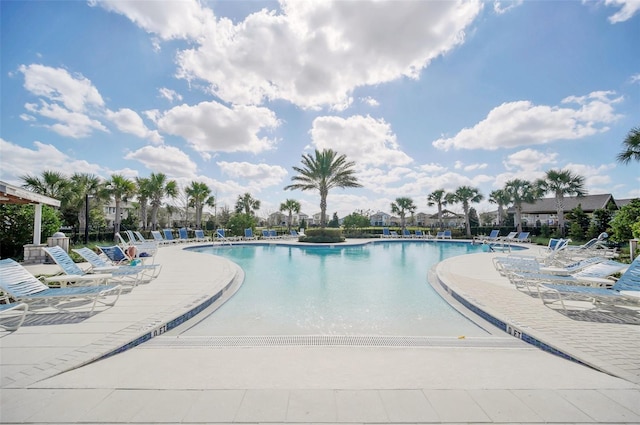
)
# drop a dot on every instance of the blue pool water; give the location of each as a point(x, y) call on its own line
point(373, 289)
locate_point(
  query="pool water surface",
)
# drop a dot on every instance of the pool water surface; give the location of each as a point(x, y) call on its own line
point(373, 289)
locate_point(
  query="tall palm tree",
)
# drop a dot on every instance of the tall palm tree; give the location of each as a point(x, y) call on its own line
point(437, 197)
point(142, 188)
point(502, 199)
point(200, 195)
point(323, 172)
point(465, 195)
point(521, 192)
point(52, 184)
point(247, 204)
point(121, 189)
point(292, 206)
point(82, 189)
point(631, 146)
point(561, 183)
point(159, 187)
point(401, 206)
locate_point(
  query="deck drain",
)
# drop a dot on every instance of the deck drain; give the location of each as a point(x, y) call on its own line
point(328, 341)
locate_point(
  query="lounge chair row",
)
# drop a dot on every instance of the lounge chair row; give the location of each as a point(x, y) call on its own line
point(558, 275)
point(107, 276)
point(419, 234)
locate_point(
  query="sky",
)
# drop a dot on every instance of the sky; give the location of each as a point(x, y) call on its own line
point(420, 95)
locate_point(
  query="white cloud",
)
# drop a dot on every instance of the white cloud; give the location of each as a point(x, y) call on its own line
point(170, 95)
point(522, 123)
point(365, 140)
point(169, 19)
point(634, 78)
point(34, 161)
point(76, 92)
point(259, 176)
point(370, 101)
point(500, 8)
point(213, 127)
point(628, 8)
point(128, 121)
point(69, 123)
point(529, 159)
point(70, 100)
point(165, 159)
point(293, 53)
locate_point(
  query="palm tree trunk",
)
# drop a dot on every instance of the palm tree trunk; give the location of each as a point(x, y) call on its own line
point(560, 212)
point(323, 209)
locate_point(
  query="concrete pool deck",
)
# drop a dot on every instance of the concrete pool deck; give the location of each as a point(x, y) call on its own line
point(167, 379)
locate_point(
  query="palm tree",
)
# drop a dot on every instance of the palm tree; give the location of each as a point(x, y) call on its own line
point(631, 145)
point(560, 183)
point(159, 187)
point(438, 197)
point(465, 195)
point(200, 195)
point(52, 184)
point(142, 184)
point(248, 204)
point(401, 206)
point(323, 172)
point(121, 188)
point(521, 192)
point(292, 206)
point(84, 186)
point(502, 199)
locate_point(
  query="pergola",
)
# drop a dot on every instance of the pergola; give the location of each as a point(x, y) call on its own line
point(10, 194)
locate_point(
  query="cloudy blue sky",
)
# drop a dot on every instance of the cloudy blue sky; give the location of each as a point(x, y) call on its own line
point(421, 95)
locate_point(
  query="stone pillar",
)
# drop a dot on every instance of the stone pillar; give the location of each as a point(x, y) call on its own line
point(34, 254)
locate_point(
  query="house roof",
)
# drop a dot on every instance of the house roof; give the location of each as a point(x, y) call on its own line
point(622, 202)
point(589, 203)
point(446, 214)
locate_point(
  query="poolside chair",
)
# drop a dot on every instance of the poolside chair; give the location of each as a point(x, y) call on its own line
point(393, 234)
point(72, 273)
point(200, 236)
point(140, 273)
point(516, 264)
point(142, 249)
point(273, 234)
point(9, 320)
point(625, 290)
point(117, 256)
point(509, 238)
point(445, 234)
point(523, 237)
point(157, 237)
point(294, 233)
point(406, 234)
point(493, 237)
point(141, 238)
point(22, 286)
point(168, 236)
point(591, 275)
point(184, 235)
point(265, 234)
point(385, 232)
point(248, 234)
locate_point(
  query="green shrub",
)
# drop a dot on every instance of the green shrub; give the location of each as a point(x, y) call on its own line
point(325, 235)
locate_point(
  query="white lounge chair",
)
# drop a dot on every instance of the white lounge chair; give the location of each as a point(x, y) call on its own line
point(248, 234)
point(200, 236)
point(72, 273)
point(625, 290)
point(128, 274)
point(22, 286)
point(12, 315)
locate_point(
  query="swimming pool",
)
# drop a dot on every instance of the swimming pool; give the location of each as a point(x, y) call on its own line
point(372, 289)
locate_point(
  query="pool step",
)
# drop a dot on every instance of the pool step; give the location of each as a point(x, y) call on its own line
point(330, 341)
